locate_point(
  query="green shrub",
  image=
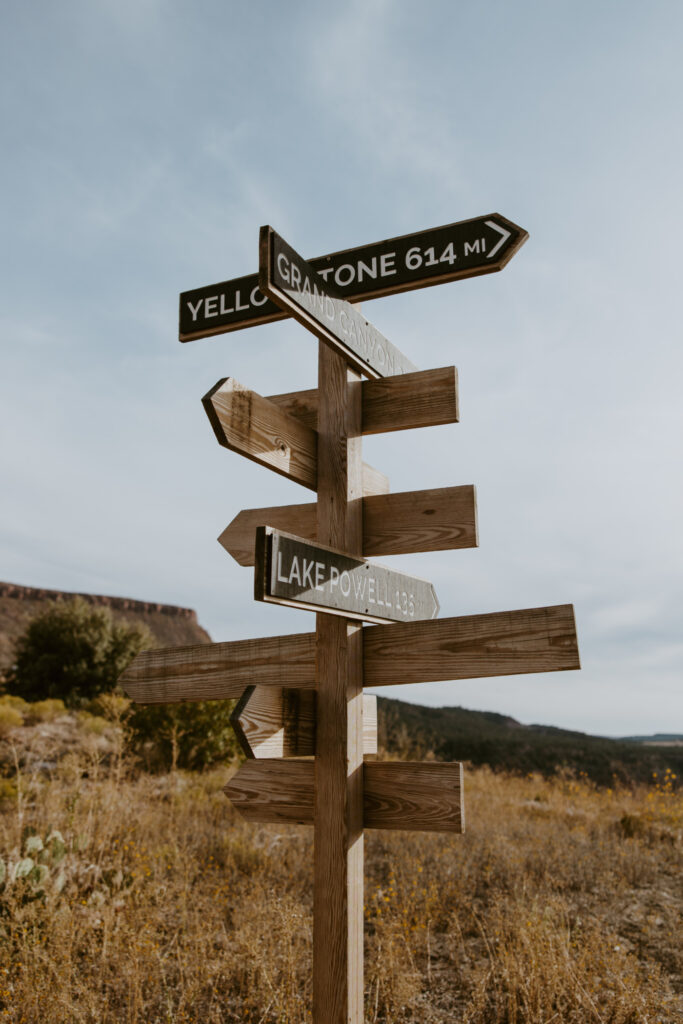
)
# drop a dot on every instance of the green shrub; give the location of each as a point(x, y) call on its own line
point(93, 724)
point(72, 652)
point(10, 718)
point(8, 791)
point(37, 867)
point(44, 710)
point(192, 735)
point(10, 701)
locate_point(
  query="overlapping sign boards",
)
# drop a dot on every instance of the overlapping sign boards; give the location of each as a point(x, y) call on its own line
point(416, 795)
point(278, 721)
point(266, 433)
point(291, 571)
point(467, 248)
point(292, 283)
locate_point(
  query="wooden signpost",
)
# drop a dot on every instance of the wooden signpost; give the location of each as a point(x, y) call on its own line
point(303, 721)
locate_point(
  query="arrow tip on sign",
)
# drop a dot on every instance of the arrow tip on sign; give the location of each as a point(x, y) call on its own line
point(236, 724)
point(232, 535)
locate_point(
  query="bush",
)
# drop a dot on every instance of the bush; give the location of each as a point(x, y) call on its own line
point(44, 710)
point(191, 736)
point(73, 651)
point(10, 718)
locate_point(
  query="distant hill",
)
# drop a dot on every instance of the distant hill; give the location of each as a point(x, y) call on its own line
point(657, 739)
point(483, 737)
point(407, 730)
point(169, 624)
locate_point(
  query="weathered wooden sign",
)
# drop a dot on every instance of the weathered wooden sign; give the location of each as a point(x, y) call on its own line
point(438, 519)
point(468, 248)
point(264, 432)
point(524, 641)
point(277, 721)
point(295, 287)
point(426, 398)
point(291, 571)
point(416, 795)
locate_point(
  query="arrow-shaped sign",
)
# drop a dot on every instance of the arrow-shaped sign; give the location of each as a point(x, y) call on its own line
point(260, 430)
point(439, 519)
point(291, 571)
point(295, 286)
point(280, 722)
point(417, 795)
point(451, 252)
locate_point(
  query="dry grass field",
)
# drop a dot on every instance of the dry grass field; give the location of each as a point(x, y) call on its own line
point(137, 899)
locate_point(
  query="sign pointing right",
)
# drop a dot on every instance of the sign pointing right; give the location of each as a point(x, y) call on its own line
point(295, 572)
point(451, 252)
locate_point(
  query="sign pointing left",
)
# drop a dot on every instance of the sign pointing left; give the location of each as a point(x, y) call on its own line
point(278, 721)
point(294, 572)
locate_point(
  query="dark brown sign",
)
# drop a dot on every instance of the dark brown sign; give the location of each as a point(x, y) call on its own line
point(467, 248)
point(294, 572)
point(292, 283)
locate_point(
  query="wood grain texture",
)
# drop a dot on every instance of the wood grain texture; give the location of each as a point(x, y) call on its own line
point(423, 797)
point(248, 424)
point(413, 795)
point(338, 772)
point(238, 537)
point(422, 399)
point(302, 404)
point(274, 790)
point(467, 647)
point(438, 519)
point(274, 721)
point(258, 429)
point(425, 398)
point(373, 481)
point(220, 671)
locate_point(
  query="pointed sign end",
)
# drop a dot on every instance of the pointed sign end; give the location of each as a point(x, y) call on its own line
point(236, 723)
point(437, 606)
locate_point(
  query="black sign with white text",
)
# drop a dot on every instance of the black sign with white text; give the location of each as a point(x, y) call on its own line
point(293, 284)
point(292, 571)
point(468, 248)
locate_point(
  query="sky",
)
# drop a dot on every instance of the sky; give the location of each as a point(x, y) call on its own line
point(145, 143)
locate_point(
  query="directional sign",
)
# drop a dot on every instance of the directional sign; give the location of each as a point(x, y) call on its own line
point(464, 647)
point(264, 432)
point(467, 248)
point(289, 570)
point(427, 398)
point(416, 795)
point(438, 519)
point(295, 286)
point(272, 721)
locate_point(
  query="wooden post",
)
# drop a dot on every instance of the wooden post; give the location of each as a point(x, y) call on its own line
point(338, 837)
